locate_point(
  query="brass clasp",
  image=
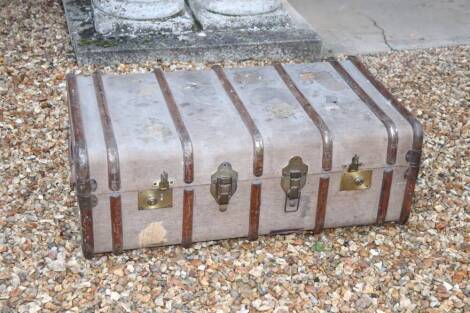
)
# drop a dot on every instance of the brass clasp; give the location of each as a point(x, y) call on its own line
point(224, 184)
point(294, 178)
point(354, 178)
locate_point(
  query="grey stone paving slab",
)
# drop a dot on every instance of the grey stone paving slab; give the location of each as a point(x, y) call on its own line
point(300, 42)
point(368, 26)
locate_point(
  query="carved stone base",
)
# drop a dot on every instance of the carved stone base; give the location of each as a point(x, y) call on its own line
point(273, 17)
point(109, 25)
point(135, 18)
point(241, 7)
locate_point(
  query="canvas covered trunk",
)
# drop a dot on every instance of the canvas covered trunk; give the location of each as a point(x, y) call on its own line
point(179, 157)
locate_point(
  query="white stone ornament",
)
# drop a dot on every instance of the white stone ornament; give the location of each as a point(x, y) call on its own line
point(269, 15)
point(241, 7)
point(140, 10)
point(140, 17)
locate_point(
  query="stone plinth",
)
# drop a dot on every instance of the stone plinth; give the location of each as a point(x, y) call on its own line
point(142, 31)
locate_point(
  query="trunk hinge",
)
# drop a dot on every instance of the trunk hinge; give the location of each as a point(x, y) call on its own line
point(413, 157)
point(84, 191)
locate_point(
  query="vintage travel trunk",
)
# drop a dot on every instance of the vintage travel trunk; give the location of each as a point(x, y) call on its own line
point(180, 157)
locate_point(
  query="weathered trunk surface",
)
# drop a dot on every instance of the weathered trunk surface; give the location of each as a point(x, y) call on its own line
point(300, 146)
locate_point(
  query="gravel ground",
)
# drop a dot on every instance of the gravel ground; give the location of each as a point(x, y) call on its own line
point(420, 267)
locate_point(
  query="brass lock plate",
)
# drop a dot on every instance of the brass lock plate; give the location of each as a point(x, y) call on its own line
point(159, 197)
point(359, 180)
point(354, 178)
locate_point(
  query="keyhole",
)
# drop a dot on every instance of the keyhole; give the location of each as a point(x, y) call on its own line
point(359, 180)
point(152, 201)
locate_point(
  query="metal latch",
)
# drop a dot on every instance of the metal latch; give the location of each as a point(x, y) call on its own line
point(224, 184)
point(354, 178)
point(159, 197)
point(294, 178)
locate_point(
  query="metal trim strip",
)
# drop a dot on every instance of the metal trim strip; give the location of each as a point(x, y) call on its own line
point(80, 159)
point(287, 231)
point(186, 143)
point(258, 145)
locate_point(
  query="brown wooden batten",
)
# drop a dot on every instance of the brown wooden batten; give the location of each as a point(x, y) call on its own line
point(392, 132)
point(112, 154)
point(114, 177)
point(327, 140)
point(327, 158)
point(186, 143)
point(390, 126)
point(286, 231)
point(80, 162)
point(385, 195)
point(414, 156)
point(321, 204)
point(255, 205)
point(188, 204)
point(116, 221)
point(258, 145)
point(414, 159)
